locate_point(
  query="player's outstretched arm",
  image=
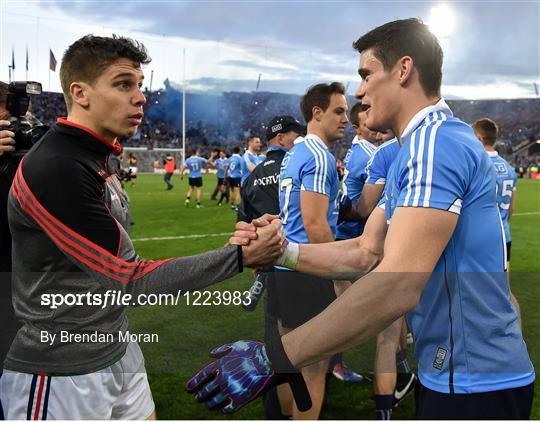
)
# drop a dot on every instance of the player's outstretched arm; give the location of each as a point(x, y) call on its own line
point(345, 260)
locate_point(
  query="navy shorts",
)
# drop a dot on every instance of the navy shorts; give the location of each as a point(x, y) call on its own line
point(234, 182)
point(195, 182)
point(295, 298)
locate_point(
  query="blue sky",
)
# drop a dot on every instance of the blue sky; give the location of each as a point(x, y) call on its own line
point(493, 50)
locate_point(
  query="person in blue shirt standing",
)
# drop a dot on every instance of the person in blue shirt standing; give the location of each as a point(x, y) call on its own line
point(195, 165)
point(221, 164)
point(443, 263)
point(486, 130)
point(251, 157)
point(308, 197)
point(233, 173)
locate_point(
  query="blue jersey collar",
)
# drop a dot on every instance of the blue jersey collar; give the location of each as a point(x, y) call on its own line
point(422, 114)
point(316, 139)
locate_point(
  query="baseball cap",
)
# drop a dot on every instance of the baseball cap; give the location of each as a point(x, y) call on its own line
point(284, 124)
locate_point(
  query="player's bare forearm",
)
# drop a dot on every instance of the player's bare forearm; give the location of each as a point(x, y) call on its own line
point(319, 232)
point(371, 194)
point(348, 259)
point(314, 208)
point(345, 260)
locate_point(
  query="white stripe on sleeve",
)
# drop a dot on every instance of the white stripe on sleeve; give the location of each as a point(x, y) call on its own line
point(431, 153)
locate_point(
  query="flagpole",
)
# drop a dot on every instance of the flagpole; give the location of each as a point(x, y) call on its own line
point(184, 109)
point(49, 78)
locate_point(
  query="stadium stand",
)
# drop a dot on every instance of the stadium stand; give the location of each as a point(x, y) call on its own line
point(227, 120)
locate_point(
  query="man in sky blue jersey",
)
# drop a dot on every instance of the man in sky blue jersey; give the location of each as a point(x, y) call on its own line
point(251, 157)
point(233, 173)
point(486, 131)
point(354, 178)
point(309, 187)
point(444, 257)
point(195, 165)
point(221, 164)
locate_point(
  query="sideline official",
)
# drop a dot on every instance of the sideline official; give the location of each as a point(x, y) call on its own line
point(260, 192)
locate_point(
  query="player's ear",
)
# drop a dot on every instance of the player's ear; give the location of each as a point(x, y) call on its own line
point(405, 67)
point(317, 113)
point(80, 94)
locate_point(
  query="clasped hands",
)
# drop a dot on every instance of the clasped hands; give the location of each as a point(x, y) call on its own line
point(263, 240)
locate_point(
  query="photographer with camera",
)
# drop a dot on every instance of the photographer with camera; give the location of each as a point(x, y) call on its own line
point(19, 130)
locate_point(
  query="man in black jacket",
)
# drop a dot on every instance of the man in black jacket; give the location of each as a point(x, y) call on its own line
point(260, 191)
point(259, 196)
point(69, 242)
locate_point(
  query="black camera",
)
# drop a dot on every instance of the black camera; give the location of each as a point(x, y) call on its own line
point(27, 131)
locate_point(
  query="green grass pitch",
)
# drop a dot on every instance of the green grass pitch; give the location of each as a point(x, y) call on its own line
point(187, 333)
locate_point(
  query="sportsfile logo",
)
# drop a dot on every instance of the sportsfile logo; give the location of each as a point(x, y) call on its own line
point(108, 298)
point(439, 359)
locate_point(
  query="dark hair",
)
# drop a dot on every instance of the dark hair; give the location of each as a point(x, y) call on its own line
point(4, 90)
point(319, 96)
point(236, 150)
point(407, 37)
point(487, 129)
point(353, 115)
point(86, 58)
point(193, 151)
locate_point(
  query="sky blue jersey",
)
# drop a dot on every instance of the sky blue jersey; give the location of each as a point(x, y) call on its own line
point(307, 166)
point(380, 162)
point(466, 331)
point(247, 159)
point(506, 186)
point(221, 163)
point(235, 166)
point(195, 166)
point(353, 182)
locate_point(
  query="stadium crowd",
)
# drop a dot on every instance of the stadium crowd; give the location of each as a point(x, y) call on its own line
point(225, 121)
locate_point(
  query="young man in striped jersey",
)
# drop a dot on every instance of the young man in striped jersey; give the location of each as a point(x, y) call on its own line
point(309, 187)
point(444, 255)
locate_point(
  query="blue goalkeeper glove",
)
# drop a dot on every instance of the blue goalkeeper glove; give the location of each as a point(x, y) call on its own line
point(244, 371)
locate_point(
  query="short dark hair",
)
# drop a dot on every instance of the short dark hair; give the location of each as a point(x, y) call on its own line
point(193, 151)
point(236, 150)
point(487, 129)
point(86, 58)
point(353, 115)
point(407, 37)
point(319, 96)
